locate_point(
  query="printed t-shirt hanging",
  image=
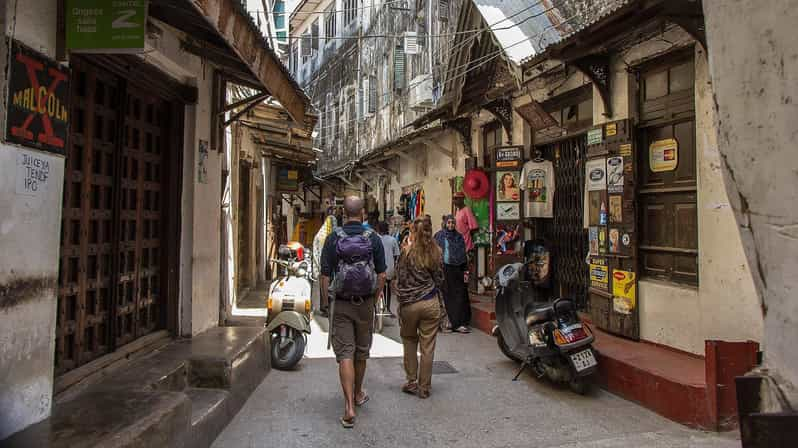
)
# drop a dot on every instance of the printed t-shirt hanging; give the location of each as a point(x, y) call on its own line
point(537, 179)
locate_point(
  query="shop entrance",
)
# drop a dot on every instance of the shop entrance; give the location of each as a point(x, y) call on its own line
point(116, 216)
point(565, 232)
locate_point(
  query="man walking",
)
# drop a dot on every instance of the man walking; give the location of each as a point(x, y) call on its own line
point(354, 258)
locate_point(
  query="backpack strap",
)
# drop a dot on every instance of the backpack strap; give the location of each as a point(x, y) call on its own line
point(340, 232)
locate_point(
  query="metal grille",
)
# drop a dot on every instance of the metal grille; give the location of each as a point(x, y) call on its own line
point(109, 273)
point(565, 232)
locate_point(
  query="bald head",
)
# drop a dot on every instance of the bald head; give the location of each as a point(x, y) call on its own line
point(353, 206)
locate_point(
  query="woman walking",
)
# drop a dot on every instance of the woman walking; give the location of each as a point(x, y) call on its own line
point(455, 291)
point(420, 277)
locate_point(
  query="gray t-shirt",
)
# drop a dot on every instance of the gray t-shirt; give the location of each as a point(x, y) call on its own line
point(391, 247)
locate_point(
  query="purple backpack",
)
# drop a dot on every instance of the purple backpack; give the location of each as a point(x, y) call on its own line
point(355, 275)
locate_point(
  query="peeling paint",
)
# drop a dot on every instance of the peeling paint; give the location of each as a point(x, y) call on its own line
point(24, 289)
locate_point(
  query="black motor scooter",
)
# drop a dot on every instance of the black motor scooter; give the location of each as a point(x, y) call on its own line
point(547, 336)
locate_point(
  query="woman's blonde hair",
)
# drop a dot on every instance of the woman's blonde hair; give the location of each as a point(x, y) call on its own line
point(424, 251)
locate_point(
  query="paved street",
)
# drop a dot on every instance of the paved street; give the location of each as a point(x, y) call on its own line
point(478, 406)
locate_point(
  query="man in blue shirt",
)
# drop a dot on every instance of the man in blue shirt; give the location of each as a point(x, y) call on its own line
point(352, 319)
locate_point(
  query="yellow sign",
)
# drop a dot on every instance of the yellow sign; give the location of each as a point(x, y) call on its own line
point(599, 278)
point(626, 150)
point(612, 129)
point(663, 155)
point(624, 291)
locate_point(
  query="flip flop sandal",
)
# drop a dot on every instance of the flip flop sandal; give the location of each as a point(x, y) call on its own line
point(348, 424)
point(410, 388)
point(362, 400)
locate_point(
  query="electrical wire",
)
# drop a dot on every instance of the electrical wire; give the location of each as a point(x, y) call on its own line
point(481, 62)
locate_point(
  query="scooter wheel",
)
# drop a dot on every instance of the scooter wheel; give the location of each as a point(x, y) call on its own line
point(506, 350)
point(286, 358)
point(580, 385)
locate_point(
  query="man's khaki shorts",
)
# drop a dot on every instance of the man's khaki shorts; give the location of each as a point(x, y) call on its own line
point(353, 326)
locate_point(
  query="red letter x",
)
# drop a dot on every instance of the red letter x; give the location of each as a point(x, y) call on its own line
point(47, 137)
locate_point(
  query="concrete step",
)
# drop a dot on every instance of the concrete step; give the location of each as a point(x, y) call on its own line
point(182, 395)
point(210, 414)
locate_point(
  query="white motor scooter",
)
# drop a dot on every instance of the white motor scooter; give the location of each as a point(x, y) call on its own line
point(289, 305)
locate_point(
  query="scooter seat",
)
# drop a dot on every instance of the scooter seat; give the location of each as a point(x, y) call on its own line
point(539, 315)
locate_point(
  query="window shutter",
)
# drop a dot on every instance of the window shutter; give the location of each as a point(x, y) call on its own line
point(398, 68)
point(372, 93)
point(411, 42)
point(361, 98)
point(365, 96)
point(443, 9)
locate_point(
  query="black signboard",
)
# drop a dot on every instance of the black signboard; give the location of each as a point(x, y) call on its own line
point(38, 101)
point(508, 156)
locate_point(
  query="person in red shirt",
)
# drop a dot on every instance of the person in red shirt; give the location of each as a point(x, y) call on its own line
point(465, 220)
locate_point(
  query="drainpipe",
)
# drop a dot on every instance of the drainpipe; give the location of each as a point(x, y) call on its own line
point(357, 87)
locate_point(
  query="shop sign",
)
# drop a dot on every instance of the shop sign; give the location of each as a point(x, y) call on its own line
point(625, 149)
point(287, 179)
point(623, 291)
point(38, 101)
point(599, 277)
point(508, 211)
point(611, 129)
point(663, 155)
point(594, 136)
point(106, 26)
point(508, 157)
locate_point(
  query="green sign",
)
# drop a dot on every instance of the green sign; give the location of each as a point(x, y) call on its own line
point(106, 26)
point(594, 136)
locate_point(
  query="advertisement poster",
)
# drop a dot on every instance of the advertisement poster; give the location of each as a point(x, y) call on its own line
point(597, 208)
point(616, 209)
point(663, 155)
point(599, 276)
point(614, 241)
point(506, 238)
point(38, 101)
point(102, 26)
point(508, 186)
point(612, 129)
point(593, 240)
point(615, 174)
point(202, 168)
point(623, 291)
point(595, 174)
point(508, 212)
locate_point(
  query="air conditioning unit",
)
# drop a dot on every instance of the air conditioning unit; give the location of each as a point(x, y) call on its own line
point(421, 92)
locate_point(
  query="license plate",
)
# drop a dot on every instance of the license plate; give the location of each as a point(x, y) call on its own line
point(583, 360)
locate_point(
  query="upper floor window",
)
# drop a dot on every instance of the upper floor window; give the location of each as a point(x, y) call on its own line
point(350, 11)
point(329, 23)
point(314, 37)
point(279, 15)
point(305, 45)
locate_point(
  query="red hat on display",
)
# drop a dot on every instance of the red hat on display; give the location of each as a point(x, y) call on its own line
point(476, 184)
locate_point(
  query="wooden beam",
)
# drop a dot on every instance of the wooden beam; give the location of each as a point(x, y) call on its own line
point(436, 147)
point(255, 102)
point(229, 107)
point(363, 179)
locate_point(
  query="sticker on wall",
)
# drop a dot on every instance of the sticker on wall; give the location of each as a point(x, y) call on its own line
point(616, 209)
point(611, 129)
point(615, 174)
point(597, 208)
point(595, 173)
point(663, 155)
point(623, 285)
point(594, 136)
point(614, 241)
point(202, 168)
point(602, 240)
point(625, 150)
point(599, 276)
point(622, 305)
point(626, 240)
point(593, 240)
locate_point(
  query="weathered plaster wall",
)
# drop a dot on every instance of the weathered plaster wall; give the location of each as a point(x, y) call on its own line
point(754, 69)
point(30, 226)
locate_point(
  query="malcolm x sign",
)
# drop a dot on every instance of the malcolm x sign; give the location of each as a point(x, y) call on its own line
point(38, 101)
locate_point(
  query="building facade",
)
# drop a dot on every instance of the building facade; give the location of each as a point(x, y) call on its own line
point(110, 197)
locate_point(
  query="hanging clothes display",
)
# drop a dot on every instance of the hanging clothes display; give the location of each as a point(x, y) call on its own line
point(537, 179)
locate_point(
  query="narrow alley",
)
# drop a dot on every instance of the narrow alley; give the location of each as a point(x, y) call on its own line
point(474, 403)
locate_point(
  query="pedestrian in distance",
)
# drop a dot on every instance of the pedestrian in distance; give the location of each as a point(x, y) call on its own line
point(354, 259)
point(455, 262)
point(392, 252)
point(419, 280)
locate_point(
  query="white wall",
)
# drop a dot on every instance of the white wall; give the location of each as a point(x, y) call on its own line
point(754, 68)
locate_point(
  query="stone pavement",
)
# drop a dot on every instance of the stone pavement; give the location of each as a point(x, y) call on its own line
point(479, 406)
